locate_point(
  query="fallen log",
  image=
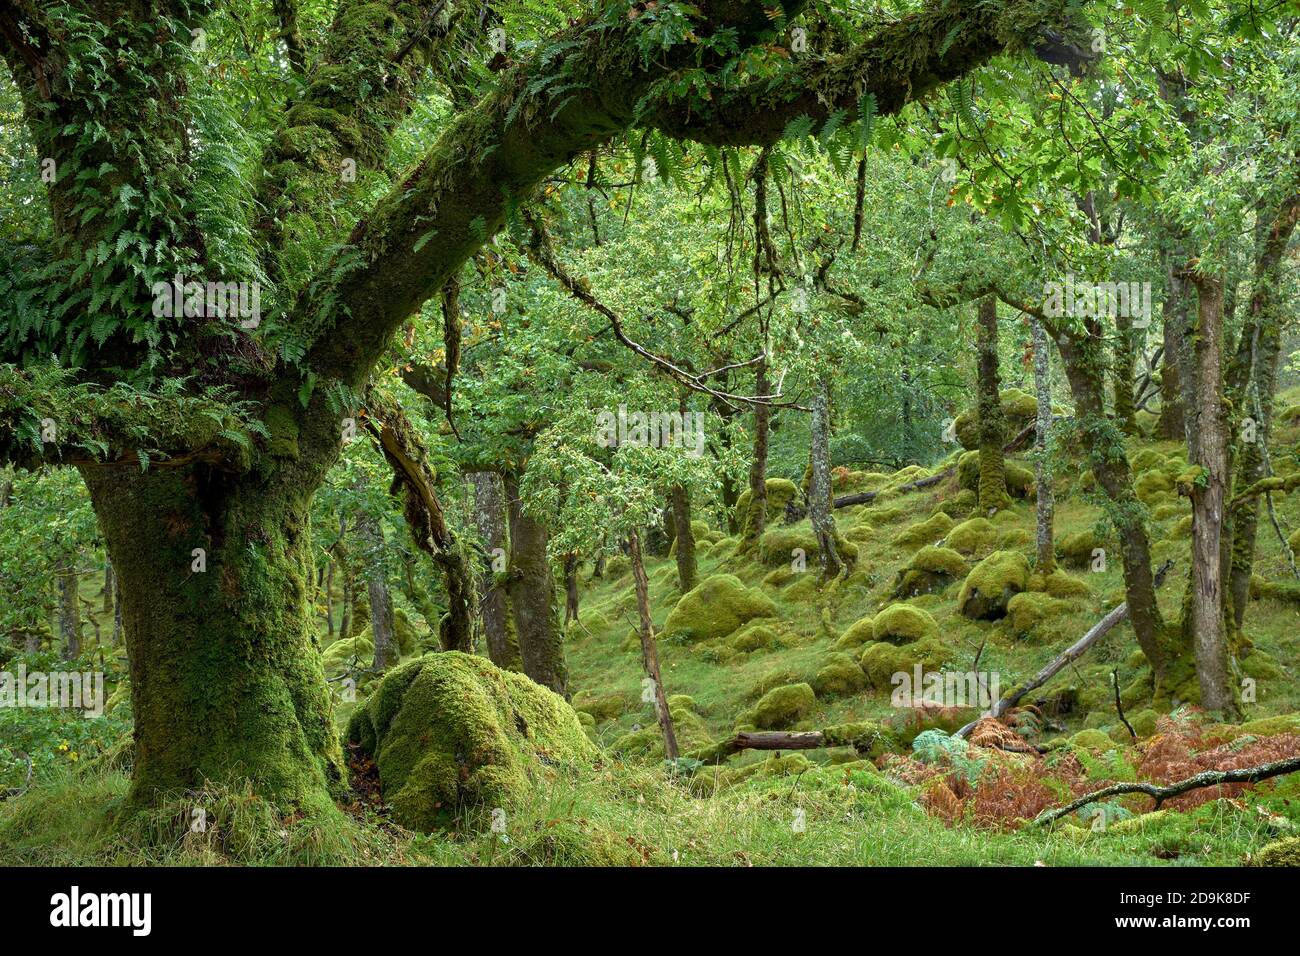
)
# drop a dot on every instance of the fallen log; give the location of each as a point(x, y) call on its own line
point(762, 740)
point(1071, 653)
point(866, 497)
point(1206, 778)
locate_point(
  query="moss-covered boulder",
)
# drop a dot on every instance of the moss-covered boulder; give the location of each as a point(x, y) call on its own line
point(754, 637)
point(881, 661)
point(903, 624)
point(780, 492)
point(452, 731)
point(781, 707)
point(1075, 550)
point(716, 607)
point(991, 584)
point(647, 742)
point(779, 546)
point(1092, 740)
point(1285, 852)
point(858, 634)
point(1153, 486)
point(975, 536)
point(929, 531)
point(840, 676)
point(1029, 609)
point(1058, 584)
point(349, 654)
point(601, 707)
point(930, 570)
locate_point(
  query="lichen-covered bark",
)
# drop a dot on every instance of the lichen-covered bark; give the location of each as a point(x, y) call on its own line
point(381, 602)
point(498, 624)
point(1083, 356)
point(532, 596)
point(226, 678)
point(685, 538)
point(1209, 493)
point(1122, 366)
point(992, 427)
point(1045, 505)
point(69, 612)
point(649, 650)
point(819, 488)
point(1172, 422)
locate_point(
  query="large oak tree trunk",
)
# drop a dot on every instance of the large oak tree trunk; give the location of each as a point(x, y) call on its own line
point(381, 602)
point(532, 596)
point(1044, 511)
point(226, 676)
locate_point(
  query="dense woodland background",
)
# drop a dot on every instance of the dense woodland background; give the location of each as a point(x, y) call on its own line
point(370, 579)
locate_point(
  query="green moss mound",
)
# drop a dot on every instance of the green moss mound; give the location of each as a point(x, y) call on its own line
point(972, 537)
point(840, 676)
point(716, 607)
point(858, 634)
point(902, 624)
point(780, 492)
point(1029, 609)
point(778, 546)
point(1075, 550)
point(452, 731)
point(1058, 584)
point(991, 585)
point(881, 661)
point(1279, 853)
point(928, 531)
point(932, 569)
point(754, 637)
point(781, 707)
point(1019, 408)
point(351, 653)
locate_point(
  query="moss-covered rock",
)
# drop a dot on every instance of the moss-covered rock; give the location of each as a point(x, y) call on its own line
point(1284, 852)
point(930, 570)
point(779, 546)
point(1152, 486)
point(903, 624)
point(452, 731)
point(840, 676)
point(1058, 584)
point(858, 634)
point(349, 654)
point(1092, 740)
point(780, 492)
point(881, 661)
point(928, 531)
point(716, 607)
point(974, 536)
point(1075, 550)
point(1272, 726)
point(601, 707)
point(1019, 408)
point(781, 707)
point(754, 637)
point(991, 584)
point(1027, 610)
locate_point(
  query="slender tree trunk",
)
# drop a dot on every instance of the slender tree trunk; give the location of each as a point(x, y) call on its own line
point(381, 602)
point(1044, 512)
point(992, 429)
point(498, 624)
point(1082, 355)
point(570, 587)
point(1208, 633)
point(1172, 422)
point(226, 676)
point(69, 611)
point(117, 610)
point(1252, 394)
point(329, 598)
point(109, 587)
point(686, 563)
point(755, 517)
point(532, 596)
point(649, 650)
point(819, 487)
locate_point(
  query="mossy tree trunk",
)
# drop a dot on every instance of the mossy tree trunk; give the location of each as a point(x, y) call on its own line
point(1172, 422)
point(687, 568)
point(226, 679)
point(819, 487)
point(1123, 363)
point(1256, 365)
point(498, 622)
point(371, 534)
point(1044, 511)
point(992, 428)
point(571, 594)
point(1083, 355)
point(754, 520)
point(532, 596)
point(649, 649)
point(1209, 497)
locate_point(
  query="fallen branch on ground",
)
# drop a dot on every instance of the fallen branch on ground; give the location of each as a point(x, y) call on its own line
point(1206, 778)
